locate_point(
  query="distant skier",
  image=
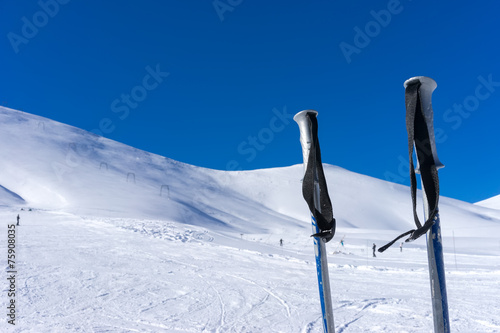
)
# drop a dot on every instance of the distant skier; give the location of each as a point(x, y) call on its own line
point(374, 247)
point(281, 242)
point(401, 247)
point(342, 242)
point(18, 218)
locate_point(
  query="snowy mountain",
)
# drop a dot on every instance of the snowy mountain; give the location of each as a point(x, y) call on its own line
point(121, 240)
point(59, 167)
point(493, 202)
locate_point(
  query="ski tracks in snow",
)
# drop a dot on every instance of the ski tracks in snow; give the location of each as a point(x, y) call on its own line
point(269, 292)
point(222, 318)
point(362, 306)
point(91, 275)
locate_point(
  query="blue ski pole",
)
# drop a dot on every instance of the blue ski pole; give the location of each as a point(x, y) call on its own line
point(316, 195)
point(434, 241)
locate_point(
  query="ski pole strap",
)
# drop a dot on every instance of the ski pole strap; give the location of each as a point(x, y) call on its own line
point(314, 172)
point(419, 139)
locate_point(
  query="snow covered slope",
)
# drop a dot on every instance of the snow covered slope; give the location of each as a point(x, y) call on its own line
point(55, 166)
point(123, 240)
point(9, 198)
point(493, 202)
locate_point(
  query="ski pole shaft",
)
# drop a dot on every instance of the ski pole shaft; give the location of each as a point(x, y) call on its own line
point(434, 241)
point(303, 120)
point(437, 276)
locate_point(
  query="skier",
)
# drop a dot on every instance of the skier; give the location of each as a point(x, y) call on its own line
point(18, 219)
point(342, 243)
point(374, 247)
point(401, 247)
point(281, 242)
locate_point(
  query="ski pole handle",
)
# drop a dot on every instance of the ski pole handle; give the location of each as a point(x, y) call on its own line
point(302, 120)
point(427, 87)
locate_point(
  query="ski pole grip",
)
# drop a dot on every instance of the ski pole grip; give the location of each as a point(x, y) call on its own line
point(303, 120)
point(427, 87)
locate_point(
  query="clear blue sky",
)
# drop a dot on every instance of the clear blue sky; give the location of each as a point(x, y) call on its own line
point(213, 83)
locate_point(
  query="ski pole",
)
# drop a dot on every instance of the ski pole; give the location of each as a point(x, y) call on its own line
point(316, 195)
point(425, 88)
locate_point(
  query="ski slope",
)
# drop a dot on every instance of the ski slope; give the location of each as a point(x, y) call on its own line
point(493, 203)
point(102, 251)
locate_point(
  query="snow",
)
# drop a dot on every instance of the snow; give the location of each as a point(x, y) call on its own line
point(9, 198)
point(102, 251)
point(493, 203)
